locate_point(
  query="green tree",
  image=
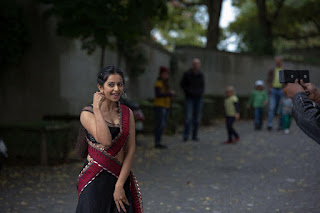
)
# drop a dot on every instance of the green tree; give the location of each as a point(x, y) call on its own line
point(14, 34)
point(182, 28)
point(263, 26)
point(113, 23)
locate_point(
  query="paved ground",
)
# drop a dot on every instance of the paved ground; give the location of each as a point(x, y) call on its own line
point(265, 172)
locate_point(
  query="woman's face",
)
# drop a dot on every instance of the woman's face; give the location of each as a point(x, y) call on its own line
point(113, 87)
point(164, 75)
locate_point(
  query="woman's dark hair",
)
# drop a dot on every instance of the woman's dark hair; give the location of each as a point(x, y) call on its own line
point(105, 72)
point(103, 75)
point(165, 82)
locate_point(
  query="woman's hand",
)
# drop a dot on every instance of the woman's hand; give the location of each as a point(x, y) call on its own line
point(98, 98)
point(120, 198)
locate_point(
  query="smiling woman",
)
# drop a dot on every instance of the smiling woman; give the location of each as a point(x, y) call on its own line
point(107, 141)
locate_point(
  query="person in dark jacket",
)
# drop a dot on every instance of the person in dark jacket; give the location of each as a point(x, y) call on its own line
point(192, 84)
point(306, 112)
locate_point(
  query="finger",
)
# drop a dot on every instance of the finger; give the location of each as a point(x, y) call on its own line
point(307, 91)
point(122, 206)
point(125, 200)
point(302, 83)
point(118, 207)
point(296, 81)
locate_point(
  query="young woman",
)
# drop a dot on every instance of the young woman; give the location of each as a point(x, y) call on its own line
point(162, 102)
point(105, 183)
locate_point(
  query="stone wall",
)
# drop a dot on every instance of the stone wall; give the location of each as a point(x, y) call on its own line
point(240, 70)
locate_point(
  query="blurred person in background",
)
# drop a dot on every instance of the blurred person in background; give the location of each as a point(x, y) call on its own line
point(305, 110)
point(162, 103)
point(286, 104)
point(232, 113)
point(258, 100)
point(3, 152)
point(192, 83)
point(275, 93)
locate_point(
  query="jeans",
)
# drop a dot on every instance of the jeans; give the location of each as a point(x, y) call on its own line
point(258, 117)
point(230, 129)
point(274, 104)
point(161, 120)
point(286, 121)
point(193, 109)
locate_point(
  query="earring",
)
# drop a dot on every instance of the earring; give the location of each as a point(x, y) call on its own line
point(124, 95)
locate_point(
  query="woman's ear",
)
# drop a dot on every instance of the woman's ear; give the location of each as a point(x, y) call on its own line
point(100, 88)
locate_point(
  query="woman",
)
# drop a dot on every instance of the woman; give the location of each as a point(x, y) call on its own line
point(161, 104)
point(105, 183)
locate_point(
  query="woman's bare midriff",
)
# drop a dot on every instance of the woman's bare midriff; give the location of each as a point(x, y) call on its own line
point(120, 155)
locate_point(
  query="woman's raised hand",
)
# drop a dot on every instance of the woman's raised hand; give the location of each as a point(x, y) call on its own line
point(98, 98)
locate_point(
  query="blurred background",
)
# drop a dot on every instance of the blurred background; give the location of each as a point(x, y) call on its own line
point(51, 51)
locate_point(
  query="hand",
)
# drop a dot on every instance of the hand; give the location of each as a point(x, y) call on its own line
point(98, 98)
point(312, 92)
point(120, 198)
point(293, 88)
point(237, 116)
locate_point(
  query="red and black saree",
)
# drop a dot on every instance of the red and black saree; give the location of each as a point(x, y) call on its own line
point(96, 181)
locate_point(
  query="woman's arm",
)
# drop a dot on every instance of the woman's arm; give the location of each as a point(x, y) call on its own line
point(119, 193)
point(95, 123)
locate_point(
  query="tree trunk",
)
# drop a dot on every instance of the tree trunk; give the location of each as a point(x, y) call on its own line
point(266, 27)
point(103, 49)
point(213, 31)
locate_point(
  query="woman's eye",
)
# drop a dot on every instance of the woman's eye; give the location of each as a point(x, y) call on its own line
point(111, 84)
point(120, 84)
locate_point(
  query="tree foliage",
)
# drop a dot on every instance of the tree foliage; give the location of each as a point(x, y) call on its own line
point(188, 23)
point(181, 27)
point(14, 34)
point(100, 23)
point(266, 27)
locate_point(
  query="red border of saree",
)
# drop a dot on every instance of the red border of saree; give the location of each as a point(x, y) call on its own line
point(105, 160)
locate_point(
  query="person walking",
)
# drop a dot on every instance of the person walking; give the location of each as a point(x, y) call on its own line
point(192, 83)
point(258, 100)
point(275, 93)
point(107, 141)
point(162, 103)
point(286, 110)
point(232, 113)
